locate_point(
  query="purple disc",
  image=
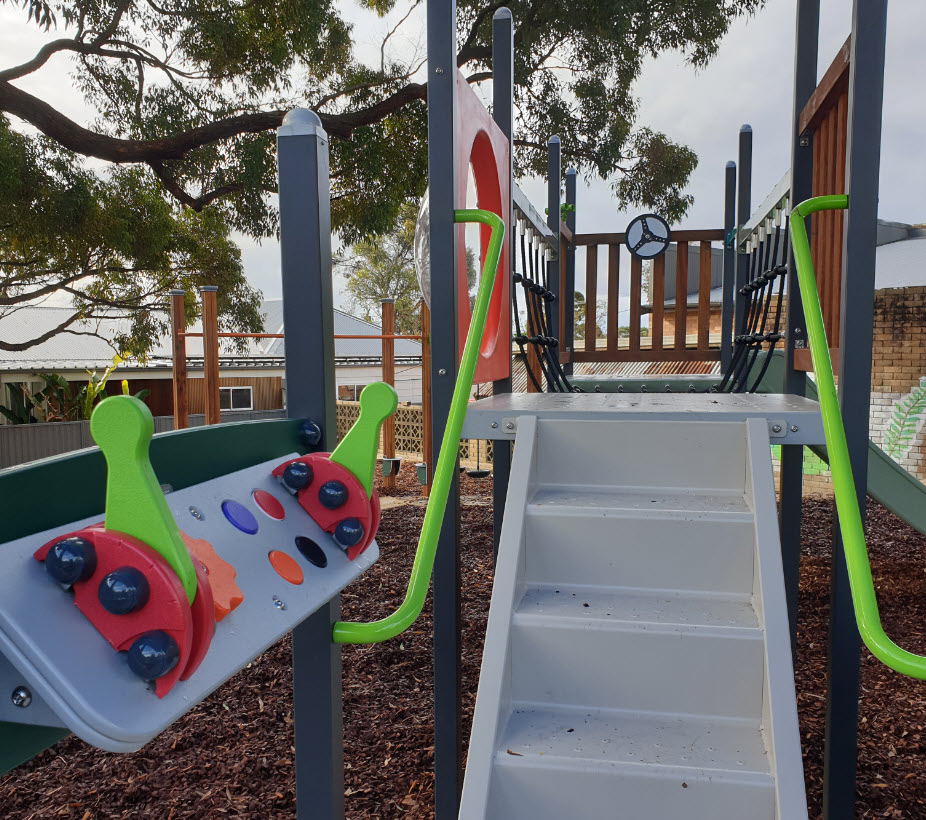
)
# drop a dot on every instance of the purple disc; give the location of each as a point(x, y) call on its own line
point(240, 516)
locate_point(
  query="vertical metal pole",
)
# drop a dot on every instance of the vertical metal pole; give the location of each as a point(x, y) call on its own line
point(426, 397)
point(388, 328)
point(308, 317)
point(791, 476)
point(863, 167)
point(569, 297)
point(729, 266)
point(442, 153)
point(743, 210)
point(178, 359)
point(554, 172)
point(210, 353)
point(503, 114)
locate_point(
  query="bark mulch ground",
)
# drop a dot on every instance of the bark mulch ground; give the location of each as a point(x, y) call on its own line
point(232, 756)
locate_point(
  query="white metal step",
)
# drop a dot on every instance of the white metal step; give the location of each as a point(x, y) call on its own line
point(661, 667)
point(626, 608)
point(581, 546)
point(569, 763)
point(643, 454)
point(676, 502)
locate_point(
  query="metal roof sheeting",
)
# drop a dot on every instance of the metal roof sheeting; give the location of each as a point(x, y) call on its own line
point(86, 346)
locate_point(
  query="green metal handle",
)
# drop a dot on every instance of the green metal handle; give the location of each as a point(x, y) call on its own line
point(420, 578)
point(864, 600)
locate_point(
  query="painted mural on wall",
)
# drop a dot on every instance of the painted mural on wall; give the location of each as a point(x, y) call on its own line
point(906, 421)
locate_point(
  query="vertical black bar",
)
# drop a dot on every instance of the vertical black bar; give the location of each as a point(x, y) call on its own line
point(308, 316)
point(503, 114)
point(554, 172)
point(743, 210)
point(863, 167)
point(729, 266)
point(792, 456)
point(569, 297)
point(442, 149)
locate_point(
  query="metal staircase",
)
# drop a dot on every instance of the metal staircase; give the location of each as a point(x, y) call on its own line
point(637, 662)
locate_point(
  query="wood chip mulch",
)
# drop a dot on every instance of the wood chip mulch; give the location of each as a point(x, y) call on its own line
point(232, 756)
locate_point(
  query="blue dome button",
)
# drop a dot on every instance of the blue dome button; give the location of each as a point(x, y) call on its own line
point(240, 517)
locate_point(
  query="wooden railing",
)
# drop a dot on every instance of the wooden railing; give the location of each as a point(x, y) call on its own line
point(653, 344)
point(825, 119)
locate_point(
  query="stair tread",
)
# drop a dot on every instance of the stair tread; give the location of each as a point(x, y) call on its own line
point(613, 738)
point(636, 500)
point(628, 607)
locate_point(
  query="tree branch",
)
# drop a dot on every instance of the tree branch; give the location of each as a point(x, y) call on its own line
point(81, 140)
point(179, 193)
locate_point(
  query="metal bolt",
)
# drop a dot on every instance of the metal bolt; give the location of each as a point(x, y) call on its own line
point(438, 70)
point(494, 425)
point(21, 697)
point(804, 141)
point(509, 425)
point(442, 372)
point(797, 331)
point(196, 514)
point(776, 428)
point(793, 428)
point(278, 603)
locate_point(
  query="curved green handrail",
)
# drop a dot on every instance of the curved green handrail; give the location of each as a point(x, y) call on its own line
point(864, 600)
point(420, 577)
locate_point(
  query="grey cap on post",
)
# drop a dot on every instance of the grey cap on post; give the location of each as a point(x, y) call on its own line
point(731, 164)
point(301, 122)
point(503, 13)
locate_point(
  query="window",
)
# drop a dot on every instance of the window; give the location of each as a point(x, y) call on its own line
point(236, 398)
point(349, 392)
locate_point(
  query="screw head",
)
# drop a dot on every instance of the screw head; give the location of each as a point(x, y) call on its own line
point(776, 428)
point(509, 425)
point(438, 70)
point(281, 605)
point(793, 428)
point(494, 425)
point(21, 697)
point(195, 512)
point(442, 372)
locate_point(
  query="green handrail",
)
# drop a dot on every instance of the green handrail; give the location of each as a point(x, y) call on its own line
point(420, 577)
point(864, 600)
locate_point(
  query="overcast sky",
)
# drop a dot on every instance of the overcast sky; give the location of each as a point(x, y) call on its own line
point(750, 81)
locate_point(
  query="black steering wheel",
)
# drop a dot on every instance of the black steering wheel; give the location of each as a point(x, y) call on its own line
point(647, 236)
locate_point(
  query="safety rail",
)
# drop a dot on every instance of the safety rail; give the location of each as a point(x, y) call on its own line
point(419, 580)
point(864, 599)
point(668, 337)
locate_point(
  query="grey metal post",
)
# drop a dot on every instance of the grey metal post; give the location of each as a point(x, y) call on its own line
point(448, 749)
point(792, 457)
point(569, 297)
point(554, 172)
point(308, 316)
point(863, 166)
point(503, 114)
point(743, 210)
point(729, 266)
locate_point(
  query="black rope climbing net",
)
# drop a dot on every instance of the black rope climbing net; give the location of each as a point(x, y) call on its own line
point(757, 334)
point(539, 305)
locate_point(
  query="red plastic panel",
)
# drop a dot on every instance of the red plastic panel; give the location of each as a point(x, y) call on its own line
point(166, 610)
point(365, 510)
point(481, 143)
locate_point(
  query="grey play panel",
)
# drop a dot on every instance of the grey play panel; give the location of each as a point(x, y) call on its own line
point(72, 672)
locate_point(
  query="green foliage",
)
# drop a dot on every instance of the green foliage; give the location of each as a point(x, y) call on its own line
point(383, 267)
point(111, 243)
point(191, 90)
point(905, 419)
point(21, 402)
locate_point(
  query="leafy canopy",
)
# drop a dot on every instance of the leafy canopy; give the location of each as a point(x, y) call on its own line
point(185, 95)
point(109, 243)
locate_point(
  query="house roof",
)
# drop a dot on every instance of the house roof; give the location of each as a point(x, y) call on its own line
point(85, 347)
point(901, 264)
